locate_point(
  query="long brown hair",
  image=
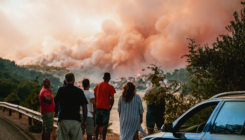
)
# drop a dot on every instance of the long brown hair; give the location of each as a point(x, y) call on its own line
point(128, 92)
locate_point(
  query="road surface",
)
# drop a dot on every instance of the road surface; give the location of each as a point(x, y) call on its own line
point(10, 131)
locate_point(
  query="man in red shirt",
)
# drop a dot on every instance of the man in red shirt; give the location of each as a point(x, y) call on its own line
point(104, 96)
point(47, 109)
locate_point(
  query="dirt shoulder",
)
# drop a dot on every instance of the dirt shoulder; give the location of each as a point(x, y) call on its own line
point(23, 124)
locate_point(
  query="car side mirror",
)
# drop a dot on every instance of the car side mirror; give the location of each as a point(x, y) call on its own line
point(167, 127)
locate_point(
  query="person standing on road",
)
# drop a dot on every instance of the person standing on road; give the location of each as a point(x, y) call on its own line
point(154, 113)
point(47, 109)
point(130, 111)
point(104, 96)
point(91, 107)
point(70, 98)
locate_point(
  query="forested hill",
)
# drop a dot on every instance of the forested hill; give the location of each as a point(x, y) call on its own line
point(180, 75)
point(17, 79)
point(55, 71)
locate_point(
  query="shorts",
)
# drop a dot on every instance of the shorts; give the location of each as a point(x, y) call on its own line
point(48, 122)
point(152, 119)
point(69, 129)
point(90, 125)
point(102, 117)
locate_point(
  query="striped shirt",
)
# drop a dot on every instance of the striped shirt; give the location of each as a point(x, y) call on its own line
point(130, 117)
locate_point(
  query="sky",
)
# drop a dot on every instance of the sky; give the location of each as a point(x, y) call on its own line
point(118, 36)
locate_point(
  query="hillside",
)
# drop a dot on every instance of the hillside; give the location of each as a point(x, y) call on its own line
point(141, 82)
point(58, 72)
point(17, 79)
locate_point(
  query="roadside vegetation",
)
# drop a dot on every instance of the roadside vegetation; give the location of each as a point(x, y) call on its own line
point(18, 80)
point(212, 70)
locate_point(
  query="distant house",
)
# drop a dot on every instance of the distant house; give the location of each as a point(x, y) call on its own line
point(130, 79)
point(79, 84)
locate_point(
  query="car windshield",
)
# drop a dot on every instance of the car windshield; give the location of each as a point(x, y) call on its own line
point(195, 120)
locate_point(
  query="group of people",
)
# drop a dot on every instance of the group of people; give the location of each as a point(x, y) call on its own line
point(80, 110)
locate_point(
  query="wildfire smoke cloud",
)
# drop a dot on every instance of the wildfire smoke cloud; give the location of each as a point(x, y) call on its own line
point(142, 32)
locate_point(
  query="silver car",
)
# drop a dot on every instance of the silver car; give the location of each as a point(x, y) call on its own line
point(222, 117)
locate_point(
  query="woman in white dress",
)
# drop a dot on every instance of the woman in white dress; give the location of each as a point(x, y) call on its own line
point(130, 111)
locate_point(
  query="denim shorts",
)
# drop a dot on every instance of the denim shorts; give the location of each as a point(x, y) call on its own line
point(152, 119)
point(102, 117)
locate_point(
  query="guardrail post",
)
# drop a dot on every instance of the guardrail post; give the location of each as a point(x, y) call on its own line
point(20, 115)
point(10, 112)
point(4, 109)
point(29, 120)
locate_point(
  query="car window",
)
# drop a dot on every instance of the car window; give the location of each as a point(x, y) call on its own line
point(195, 120)
point(230, 119)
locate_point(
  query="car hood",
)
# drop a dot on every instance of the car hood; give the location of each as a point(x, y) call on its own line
point(155, 135)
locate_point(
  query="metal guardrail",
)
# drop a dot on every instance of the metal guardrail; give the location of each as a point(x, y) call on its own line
point(25, 111)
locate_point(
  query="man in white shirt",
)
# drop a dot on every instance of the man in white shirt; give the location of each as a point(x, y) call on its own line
point(91, 107)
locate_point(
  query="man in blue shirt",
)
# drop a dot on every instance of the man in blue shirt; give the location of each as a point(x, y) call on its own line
point(70, 98)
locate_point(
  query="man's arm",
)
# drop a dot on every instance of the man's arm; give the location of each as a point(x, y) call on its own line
point(141, 118)
point(92, 100)
point(95, 98)
point(47, 100)
point(85, 112)
point(111, 101)
point(57, 102)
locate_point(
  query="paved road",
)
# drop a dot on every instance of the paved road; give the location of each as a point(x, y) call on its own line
point(10, 131)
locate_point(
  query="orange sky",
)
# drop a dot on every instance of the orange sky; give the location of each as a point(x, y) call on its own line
point(120, 36)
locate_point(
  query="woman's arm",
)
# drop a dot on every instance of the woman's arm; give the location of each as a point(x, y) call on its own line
point(141, 118)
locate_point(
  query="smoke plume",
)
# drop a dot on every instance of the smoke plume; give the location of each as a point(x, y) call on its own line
point(136, 34)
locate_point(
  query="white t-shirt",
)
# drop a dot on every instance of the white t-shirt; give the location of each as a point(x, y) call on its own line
point(89, 95)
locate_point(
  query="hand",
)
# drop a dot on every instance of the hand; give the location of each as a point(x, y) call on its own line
point(93, 113)
point(48, 97)
point(55, 114)
point(47, 100)
point(110, 108)
point(84, 124)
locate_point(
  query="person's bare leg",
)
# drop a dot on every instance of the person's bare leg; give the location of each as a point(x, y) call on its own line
point(96, 131)
point(46, 136)
point(136, 136)
point(43, 135)
point(89, 137)
point(150, 131)
point(101, 131)
point(104, 132)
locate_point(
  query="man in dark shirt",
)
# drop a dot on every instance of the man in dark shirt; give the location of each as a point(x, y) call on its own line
point(70, 98)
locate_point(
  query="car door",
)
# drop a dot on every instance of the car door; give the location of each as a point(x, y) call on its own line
point(191, 124)
point(229, 123)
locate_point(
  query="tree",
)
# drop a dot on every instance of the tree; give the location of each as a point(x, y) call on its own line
point(32, 101)
point(211, 70)
point(219, 68)
point(24, 89)
point(176, 102)
point(12, 98)
point(6, 87)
